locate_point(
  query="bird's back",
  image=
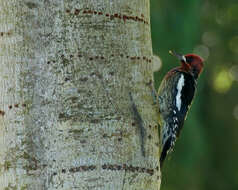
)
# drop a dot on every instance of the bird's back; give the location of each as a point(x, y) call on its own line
point(175, 96)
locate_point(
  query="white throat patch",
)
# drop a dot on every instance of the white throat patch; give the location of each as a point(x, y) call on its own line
point(179, 88)
point(184, 58)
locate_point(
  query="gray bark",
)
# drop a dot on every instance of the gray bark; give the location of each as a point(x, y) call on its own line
point(66, 117)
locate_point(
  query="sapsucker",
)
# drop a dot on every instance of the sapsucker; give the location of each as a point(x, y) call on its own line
point(175, 96)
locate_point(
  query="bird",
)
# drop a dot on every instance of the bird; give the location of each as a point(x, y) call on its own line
point(175, 96)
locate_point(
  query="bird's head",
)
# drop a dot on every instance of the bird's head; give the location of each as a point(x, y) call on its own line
point(190, 63)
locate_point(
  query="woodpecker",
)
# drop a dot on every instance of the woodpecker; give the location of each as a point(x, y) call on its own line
point(175, 96)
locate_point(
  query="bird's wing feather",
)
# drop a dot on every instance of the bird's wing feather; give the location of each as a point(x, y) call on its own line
point(173, 104)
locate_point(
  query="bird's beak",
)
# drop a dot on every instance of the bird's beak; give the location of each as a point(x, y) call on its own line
point(180, 57)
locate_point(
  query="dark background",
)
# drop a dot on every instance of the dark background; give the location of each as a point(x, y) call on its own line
point(206, 154)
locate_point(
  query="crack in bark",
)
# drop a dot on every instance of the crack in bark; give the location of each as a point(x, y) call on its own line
point(140, 125)
point(123, 183)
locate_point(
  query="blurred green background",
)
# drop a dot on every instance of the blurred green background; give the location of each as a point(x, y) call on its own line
point(206, 155)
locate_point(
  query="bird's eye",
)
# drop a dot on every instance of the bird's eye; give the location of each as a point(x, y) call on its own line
point(189, 59)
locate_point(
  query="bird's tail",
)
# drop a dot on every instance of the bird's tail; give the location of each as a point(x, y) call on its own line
point(165, 150)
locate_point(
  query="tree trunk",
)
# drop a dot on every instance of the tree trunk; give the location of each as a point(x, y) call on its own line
point(68, 69)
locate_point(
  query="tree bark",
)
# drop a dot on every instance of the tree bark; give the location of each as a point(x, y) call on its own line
point(76, 105)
